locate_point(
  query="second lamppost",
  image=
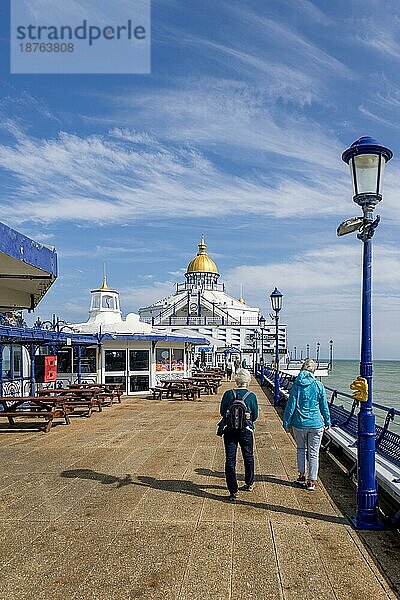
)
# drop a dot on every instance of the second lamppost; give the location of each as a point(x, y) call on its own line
point(276, 303)
point(261, 323)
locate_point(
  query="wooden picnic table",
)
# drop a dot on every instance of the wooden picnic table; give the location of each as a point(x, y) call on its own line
point(35, 407)
point(182, 388)
point(73, 398)
point(209, 384)
point(107, 390)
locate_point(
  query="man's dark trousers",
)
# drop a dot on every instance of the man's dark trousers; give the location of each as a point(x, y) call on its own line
point(231, 440)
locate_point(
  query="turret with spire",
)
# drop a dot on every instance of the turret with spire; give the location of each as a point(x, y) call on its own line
point(104, 305)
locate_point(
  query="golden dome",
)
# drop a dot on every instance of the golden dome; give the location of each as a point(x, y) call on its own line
point(202, 263)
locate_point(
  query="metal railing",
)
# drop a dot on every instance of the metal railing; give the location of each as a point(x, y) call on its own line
point(387, 430)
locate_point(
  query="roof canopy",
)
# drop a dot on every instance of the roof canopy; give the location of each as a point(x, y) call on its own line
point(27, 270)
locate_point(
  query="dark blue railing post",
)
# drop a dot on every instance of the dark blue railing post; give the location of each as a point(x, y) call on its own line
point(277, 392)
point(1, 369)
point(79, 361)
point(32, 374)
point(262, 372)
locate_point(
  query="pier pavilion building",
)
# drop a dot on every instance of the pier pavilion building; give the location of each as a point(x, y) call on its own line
point(202, 304)
point(130, 351)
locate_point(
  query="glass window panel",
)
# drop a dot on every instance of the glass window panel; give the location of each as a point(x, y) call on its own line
point(88, 360)
point(64, 360)
point(115, 360)
point(116, 379)
point(108, 302)
point(6, 362)
point(96, 301)
point(139, 383)
point(176, 359)
point(138, 360)
point(162, 359)
point(17, 361)
point(367, 172)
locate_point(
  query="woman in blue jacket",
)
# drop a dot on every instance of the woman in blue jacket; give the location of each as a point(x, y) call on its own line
point(308, 413)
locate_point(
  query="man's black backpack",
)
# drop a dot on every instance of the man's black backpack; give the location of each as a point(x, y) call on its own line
point(236, 414)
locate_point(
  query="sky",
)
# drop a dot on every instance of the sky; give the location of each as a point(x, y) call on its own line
point(236, 133)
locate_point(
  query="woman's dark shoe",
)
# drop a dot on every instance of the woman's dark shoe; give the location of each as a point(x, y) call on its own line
point(232, 498)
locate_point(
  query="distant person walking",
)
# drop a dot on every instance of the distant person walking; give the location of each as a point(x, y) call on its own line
point(307, 412)
point(237, 364)
point(239, 410)
point(229, 370)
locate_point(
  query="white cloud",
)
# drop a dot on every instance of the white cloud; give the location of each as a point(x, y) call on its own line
point(102, 179)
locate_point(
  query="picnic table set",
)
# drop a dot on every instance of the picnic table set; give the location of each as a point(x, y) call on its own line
point(55, 403)
point(188, 388)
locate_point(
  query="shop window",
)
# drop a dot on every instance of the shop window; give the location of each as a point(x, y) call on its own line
point(138, 360)
point(139, 383)
point(88, 360)
point(64, 360)
point(176, 359)
point(17, 361)
point(116, 379)
point(162, 359)
point(115, 360)
point(6, 362)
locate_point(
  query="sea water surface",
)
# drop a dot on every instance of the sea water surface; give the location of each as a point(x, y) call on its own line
point(386, 384)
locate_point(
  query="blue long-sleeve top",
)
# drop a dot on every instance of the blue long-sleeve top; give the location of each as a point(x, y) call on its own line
point(307, 406)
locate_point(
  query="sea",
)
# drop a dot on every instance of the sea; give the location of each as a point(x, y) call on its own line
point(386, 385)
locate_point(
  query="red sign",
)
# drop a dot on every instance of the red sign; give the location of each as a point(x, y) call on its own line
point(50, 368)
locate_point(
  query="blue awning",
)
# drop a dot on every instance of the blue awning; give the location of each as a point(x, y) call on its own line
point(23, 335)
point(27, 270)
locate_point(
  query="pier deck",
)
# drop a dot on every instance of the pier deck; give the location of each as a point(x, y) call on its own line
point(131, 503)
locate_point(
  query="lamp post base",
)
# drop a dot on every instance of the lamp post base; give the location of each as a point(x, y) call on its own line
point(366, 525)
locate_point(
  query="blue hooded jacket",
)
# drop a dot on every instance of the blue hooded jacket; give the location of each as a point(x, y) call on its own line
point(307, 406)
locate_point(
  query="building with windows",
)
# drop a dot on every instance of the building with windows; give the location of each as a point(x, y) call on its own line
point(202, 304)
point(130, 351)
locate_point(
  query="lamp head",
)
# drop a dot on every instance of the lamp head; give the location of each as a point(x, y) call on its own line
point(366, 158)
point(261, 322)
point(276, 300)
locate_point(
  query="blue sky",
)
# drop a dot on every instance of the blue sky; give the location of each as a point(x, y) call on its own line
point(238, 133)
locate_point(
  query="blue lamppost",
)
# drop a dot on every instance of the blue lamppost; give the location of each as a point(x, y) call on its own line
point(276, 303)
point(295, 352)
point(330, 354)
point(317, 356)
point(366, 158)
point(261, 323)
point(308, 351)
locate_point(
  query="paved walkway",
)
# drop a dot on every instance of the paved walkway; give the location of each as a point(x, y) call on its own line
point(131, 503)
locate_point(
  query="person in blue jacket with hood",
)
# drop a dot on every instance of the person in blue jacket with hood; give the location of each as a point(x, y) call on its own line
point(308, 413)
